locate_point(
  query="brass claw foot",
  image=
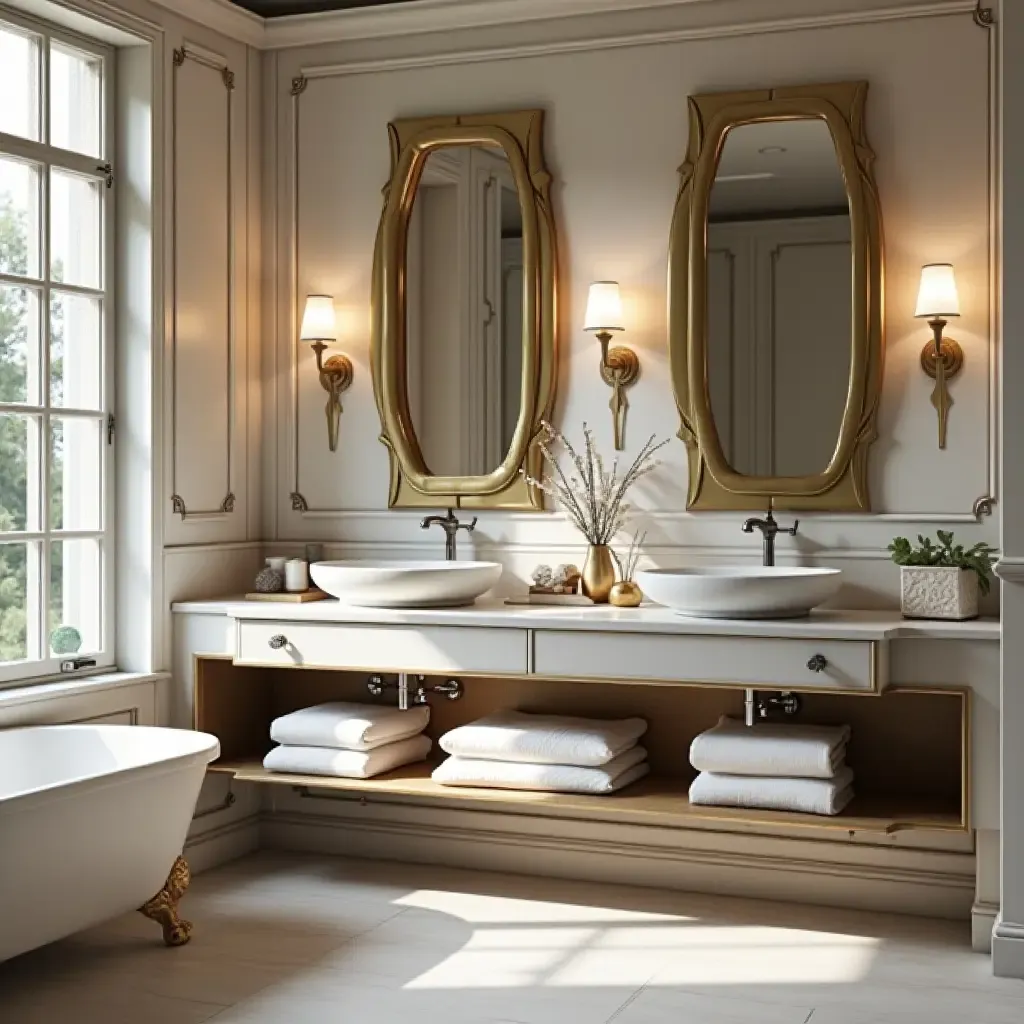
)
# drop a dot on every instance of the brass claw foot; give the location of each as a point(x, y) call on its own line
point(163, 907)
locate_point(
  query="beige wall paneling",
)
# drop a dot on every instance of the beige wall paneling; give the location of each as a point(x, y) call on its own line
point(134, 704)
point(616, 135)
point(207, 278)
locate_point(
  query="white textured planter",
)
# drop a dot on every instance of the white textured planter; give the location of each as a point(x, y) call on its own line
point(936, 592)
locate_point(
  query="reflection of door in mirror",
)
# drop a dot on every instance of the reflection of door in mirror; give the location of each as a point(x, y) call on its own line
point(780, 297)
point(464, 321)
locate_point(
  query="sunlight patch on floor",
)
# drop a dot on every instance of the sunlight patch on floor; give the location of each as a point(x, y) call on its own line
point(517, 953)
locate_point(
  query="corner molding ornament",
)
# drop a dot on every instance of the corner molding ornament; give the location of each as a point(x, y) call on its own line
point(299, 85)
point(984, 17)
point(217, 64)
point(299, 503)
point(984, 506)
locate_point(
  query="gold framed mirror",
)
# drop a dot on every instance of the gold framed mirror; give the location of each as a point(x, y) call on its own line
point(775, 300)
point(464, 310)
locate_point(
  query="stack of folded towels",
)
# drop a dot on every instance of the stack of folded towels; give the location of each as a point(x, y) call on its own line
point(778, 767)
point(349, 741)
point(544, 753)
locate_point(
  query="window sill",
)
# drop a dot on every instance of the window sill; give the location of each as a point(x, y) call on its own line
point(34, 692)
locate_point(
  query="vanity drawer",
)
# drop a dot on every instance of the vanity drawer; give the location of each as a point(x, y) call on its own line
point(424, 649)
point(764, 663)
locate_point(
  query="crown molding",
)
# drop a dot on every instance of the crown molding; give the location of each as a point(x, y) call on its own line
point(223, 17)
point(421, 16)
point(418, 17)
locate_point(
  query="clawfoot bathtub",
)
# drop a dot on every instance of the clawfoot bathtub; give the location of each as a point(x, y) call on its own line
point(92, 821)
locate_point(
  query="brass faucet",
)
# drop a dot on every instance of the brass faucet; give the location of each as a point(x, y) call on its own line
point(451, 526)
point(769, 530)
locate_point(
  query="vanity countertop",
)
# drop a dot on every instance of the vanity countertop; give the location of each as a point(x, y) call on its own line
point(837, 624)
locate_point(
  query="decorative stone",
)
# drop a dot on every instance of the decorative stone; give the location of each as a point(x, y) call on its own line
point(938, 592)
point(65, 640)
point(269, 581)
point(543, 577)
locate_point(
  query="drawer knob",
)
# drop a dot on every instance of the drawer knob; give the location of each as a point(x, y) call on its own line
point(818, 663)
point(278, 641)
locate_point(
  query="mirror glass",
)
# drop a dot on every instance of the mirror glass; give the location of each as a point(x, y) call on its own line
point(464, 290)
point(779, 297)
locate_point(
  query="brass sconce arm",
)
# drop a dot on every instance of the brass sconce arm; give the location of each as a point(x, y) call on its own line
point(620, 368)
point(335, 378)
point(942, 359)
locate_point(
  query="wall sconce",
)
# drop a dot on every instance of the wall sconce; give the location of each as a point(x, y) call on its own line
point(620, 367)
point(319, 327)
point(942, 358)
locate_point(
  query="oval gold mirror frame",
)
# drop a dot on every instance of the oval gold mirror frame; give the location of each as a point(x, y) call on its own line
point(713, 483)
point(520, 135)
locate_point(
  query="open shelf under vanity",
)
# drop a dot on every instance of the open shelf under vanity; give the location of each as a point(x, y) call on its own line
point(909, 747)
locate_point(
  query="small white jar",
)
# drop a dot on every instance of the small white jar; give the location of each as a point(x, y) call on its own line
point(277, 564)
point(296, 576)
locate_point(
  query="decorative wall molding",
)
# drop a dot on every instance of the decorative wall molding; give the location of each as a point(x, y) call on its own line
point(1010, 570)
point(215, 63)
point(297, 76)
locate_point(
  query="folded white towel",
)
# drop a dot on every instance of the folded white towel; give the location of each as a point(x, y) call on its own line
point(769, 748)
point(810, 796)
point(347, 764)
point(348, 726)
point(544, 778)
point(543, 739)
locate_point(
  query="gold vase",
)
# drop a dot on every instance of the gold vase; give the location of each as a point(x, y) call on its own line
point(598, 573)
point(626, 595)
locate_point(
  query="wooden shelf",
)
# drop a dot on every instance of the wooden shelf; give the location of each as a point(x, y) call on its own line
point(651, 801)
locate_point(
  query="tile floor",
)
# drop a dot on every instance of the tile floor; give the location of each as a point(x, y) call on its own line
point(291, 939)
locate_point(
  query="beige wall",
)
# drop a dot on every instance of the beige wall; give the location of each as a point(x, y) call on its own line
point(616, 134)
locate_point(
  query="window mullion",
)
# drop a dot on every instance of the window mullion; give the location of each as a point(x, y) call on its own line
point(45, 397)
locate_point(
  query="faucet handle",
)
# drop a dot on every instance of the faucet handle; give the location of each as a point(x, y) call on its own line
point(792, 531)
point(468, 527)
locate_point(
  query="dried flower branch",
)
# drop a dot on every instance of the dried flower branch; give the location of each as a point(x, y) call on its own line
point(633, 556)
point(591, 494)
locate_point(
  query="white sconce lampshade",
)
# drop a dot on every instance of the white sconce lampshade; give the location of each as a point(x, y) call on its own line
point(604, 308)
point(318, 321)
point(938, 295)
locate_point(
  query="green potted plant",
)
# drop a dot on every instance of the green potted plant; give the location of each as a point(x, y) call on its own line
point(943, 580)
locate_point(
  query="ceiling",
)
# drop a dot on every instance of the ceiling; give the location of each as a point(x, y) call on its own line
point(778, 168)
point(279, 8)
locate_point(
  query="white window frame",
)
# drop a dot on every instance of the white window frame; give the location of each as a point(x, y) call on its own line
point(45, 156)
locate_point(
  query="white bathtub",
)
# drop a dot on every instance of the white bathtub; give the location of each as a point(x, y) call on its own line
point(91, 819)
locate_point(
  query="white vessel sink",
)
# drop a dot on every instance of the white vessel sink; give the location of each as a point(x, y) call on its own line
point(740, 592)
point(367, 584)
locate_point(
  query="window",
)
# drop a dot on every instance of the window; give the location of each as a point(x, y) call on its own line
point(56, 558)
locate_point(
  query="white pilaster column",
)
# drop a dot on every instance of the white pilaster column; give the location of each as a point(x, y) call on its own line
point(1008, 935)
